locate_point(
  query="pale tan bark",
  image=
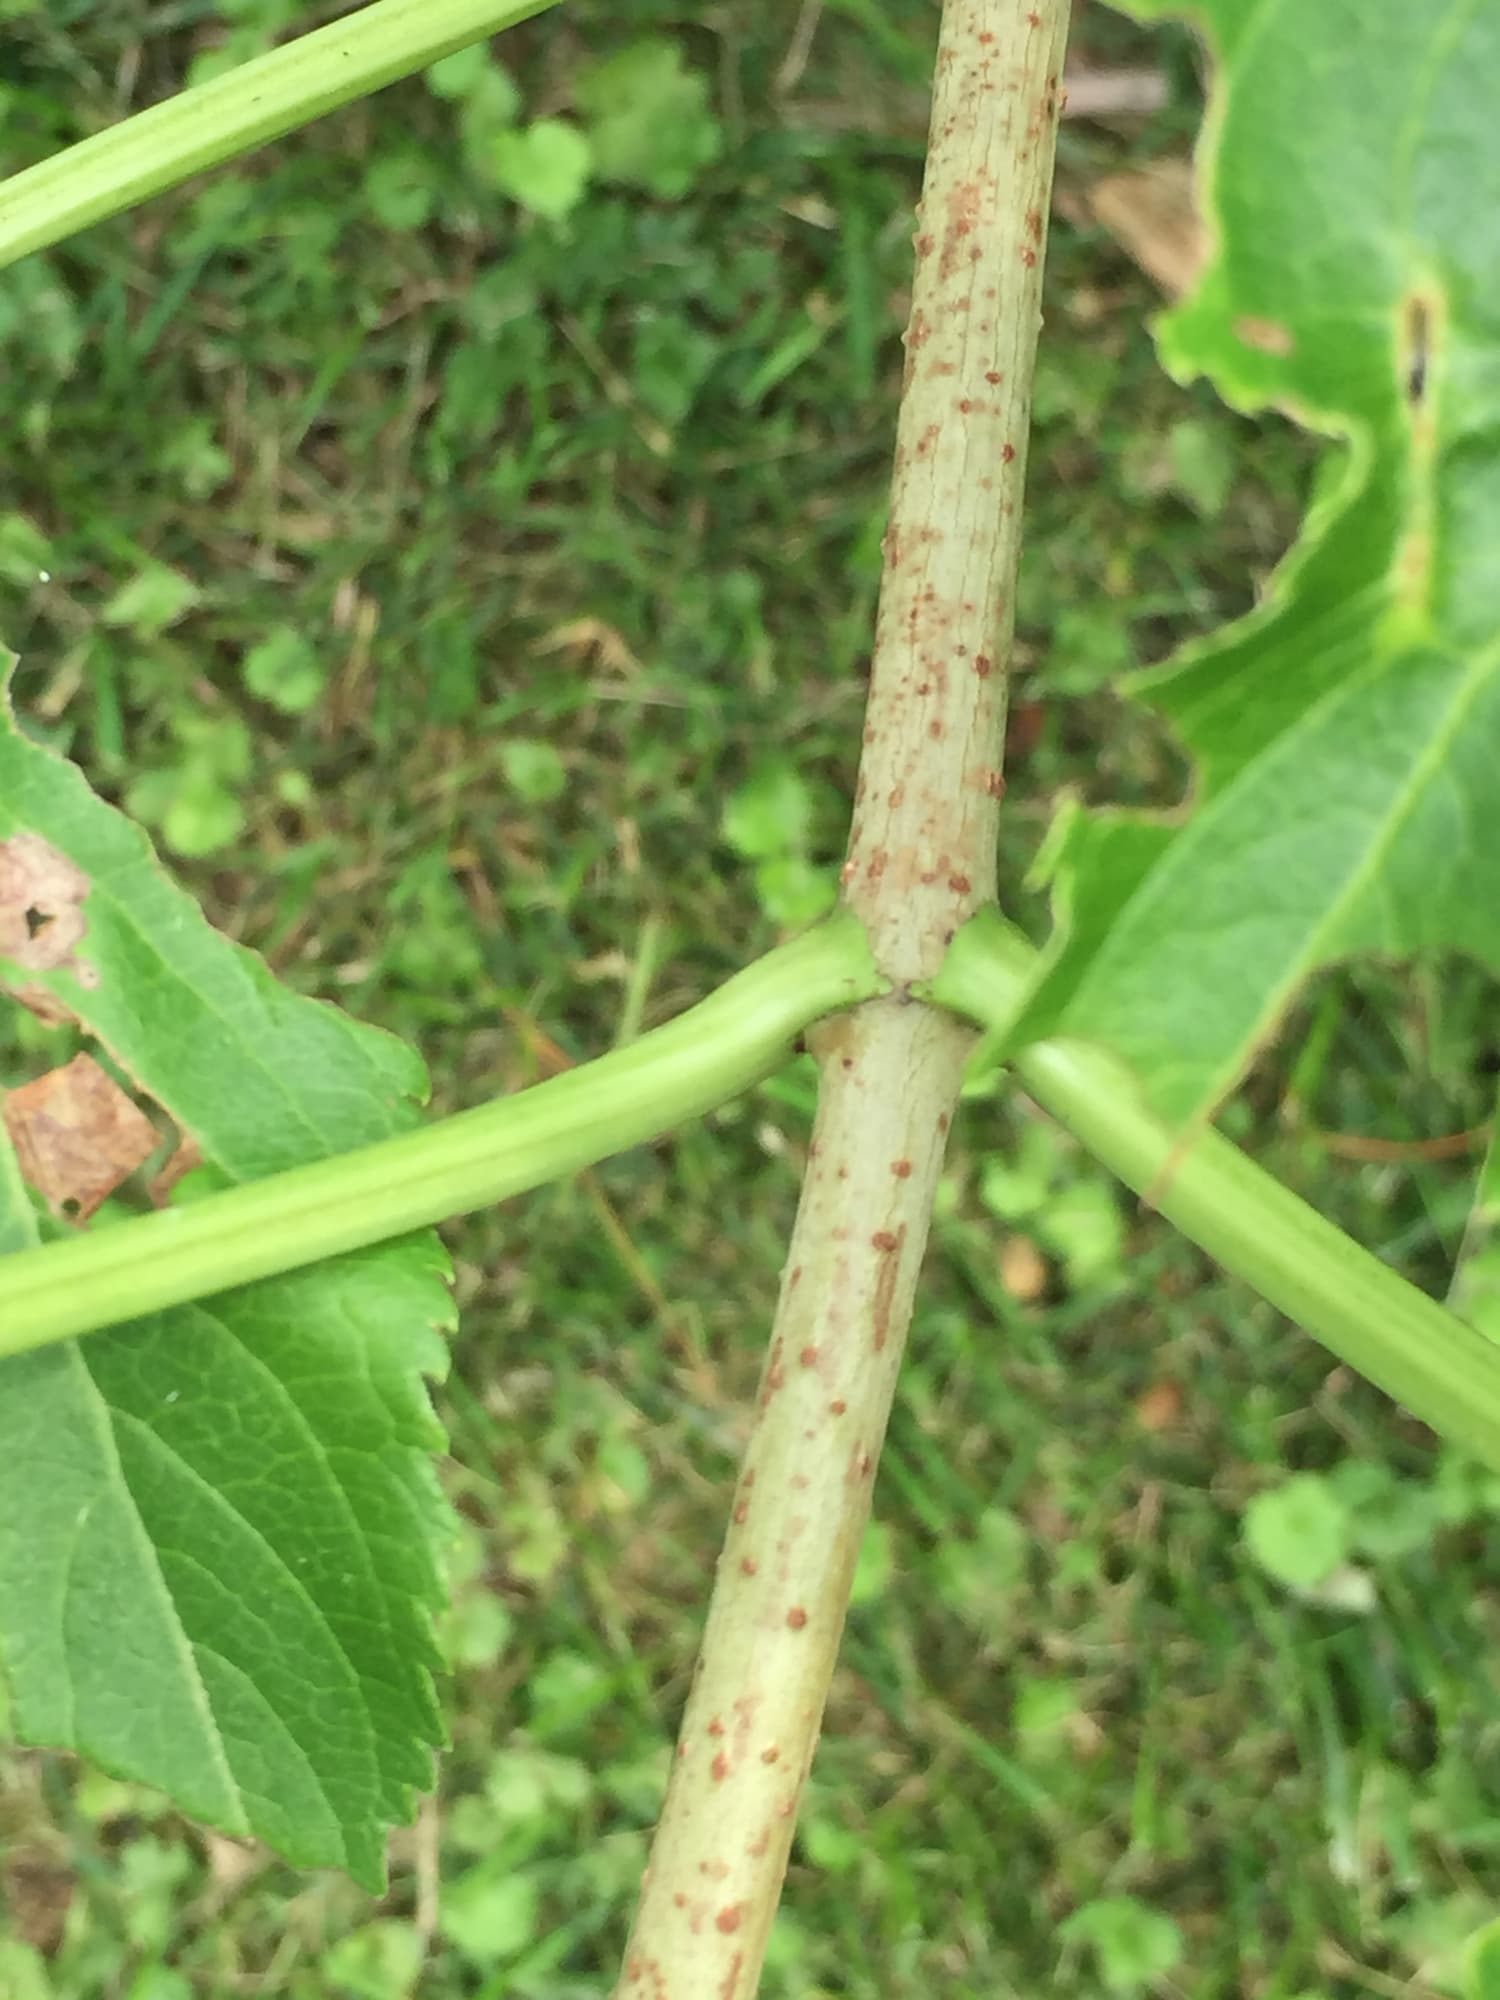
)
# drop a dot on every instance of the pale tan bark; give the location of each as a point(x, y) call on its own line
point(921, 859)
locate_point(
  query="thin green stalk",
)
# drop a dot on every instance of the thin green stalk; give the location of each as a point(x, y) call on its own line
point(1439, 1367)
point(718, 1048)
point(234, 113)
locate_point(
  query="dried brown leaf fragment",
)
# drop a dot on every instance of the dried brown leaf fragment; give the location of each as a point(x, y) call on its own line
point(77, 1136)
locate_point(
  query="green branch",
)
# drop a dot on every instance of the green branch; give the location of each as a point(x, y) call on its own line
point(712, 1052)
point(1444, 1371)
point(234, 113)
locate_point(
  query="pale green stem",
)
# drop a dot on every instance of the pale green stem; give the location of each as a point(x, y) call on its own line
point(715, 1050)
point(234, 113)
point(1435, 1364)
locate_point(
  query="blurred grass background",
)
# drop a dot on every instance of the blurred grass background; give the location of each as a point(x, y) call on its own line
point(456, 535)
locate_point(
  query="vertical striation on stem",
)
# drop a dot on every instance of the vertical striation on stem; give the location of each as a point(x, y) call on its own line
point(926, 813)
point(921, 858)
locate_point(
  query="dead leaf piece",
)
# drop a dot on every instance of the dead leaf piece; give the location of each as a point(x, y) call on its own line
point(42, 894)
point(1154, 218)
point(77, 1136)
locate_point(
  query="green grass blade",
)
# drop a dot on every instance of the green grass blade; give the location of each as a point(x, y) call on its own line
point(234, 113)
point(1444, 1371)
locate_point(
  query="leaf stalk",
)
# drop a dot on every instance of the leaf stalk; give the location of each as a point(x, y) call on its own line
point(681, 1070)
point(234, 113)
point(1443, 1370)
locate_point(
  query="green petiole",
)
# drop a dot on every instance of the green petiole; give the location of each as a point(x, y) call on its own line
point(1439, 1367)
point(234, 113)
point(1442, 1369)
point(682, 1070)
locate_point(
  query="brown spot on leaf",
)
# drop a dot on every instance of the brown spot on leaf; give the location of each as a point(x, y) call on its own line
point(729, 1918)
point(42, 894)
point(796, 1618)
point(77, 1136)
point(1268, 335)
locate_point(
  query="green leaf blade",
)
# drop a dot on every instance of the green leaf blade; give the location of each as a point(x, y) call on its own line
point(1345, 734)
point(219, 1526)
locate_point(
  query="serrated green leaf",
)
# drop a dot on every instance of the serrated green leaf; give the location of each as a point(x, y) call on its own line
point(1347, 734)
point(219, 1526)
